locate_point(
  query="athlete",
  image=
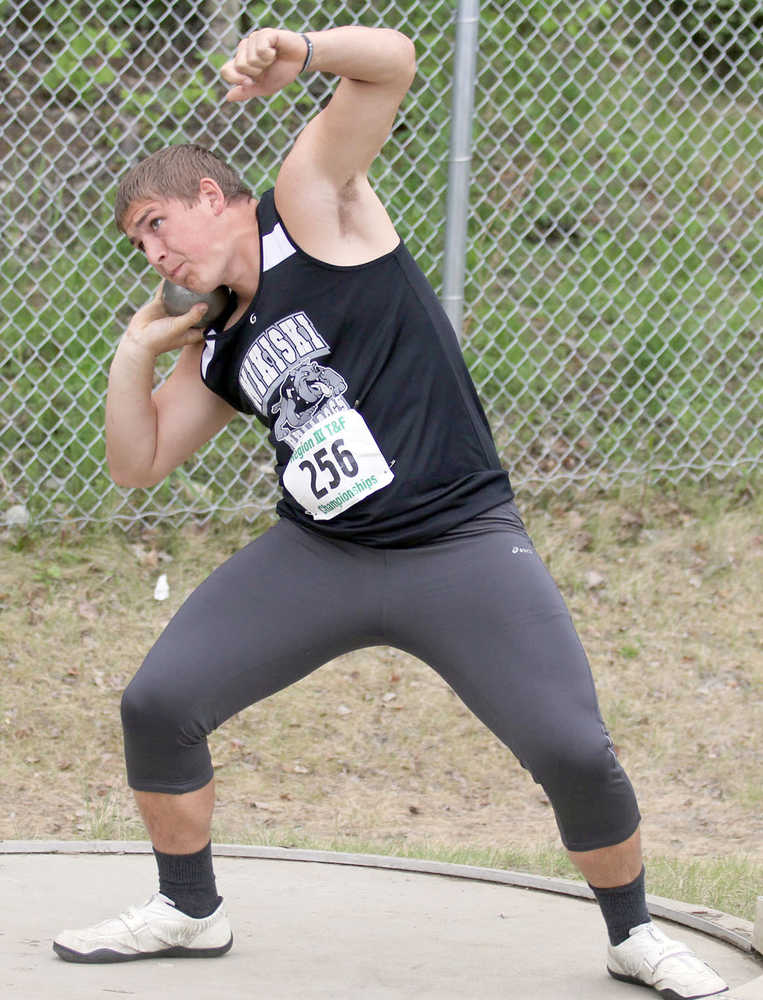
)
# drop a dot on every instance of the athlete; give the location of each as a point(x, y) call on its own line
point(397, 524)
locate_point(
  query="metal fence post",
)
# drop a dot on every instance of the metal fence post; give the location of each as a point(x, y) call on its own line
point(464, 79)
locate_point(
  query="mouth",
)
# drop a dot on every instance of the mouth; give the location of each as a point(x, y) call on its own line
point(174, 275)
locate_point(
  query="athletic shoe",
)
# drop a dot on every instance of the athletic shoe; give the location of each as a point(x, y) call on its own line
point(155, 930)
point(650, 958)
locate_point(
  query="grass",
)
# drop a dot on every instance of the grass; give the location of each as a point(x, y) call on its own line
point(730, 884)
point(664, 590)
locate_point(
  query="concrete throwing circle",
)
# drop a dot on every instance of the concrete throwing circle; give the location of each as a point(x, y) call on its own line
point(340, 926)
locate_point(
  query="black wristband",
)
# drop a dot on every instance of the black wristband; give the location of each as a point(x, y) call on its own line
point(309, 56)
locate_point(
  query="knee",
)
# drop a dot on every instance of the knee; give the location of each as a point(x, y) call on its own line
point(592, 797)
point(164, 738)
point(142, 706)
point(575, 766)
point(151, 706)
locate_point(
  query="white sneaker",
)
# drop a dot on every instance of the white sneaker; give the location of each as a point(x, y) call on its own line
point(155, 930)
point(650, 958)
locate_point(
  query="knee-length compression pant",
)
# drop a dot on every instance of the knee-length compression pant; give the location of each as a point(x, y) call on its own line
point(477, 605)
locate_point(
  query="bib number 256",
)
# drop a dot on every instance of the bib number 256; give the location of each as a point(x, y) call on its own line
point(336, 464)
point(340, 462)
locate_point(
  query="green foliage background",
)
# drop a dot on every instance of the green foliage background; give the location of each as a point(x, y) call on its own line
point(660, 360)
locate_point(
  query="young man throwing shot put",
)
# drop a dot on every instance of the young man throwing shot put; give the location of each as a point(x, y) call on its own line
point(395, 508)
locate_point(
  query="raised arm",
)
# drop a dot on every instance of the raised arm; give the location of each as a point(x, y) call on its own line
point(322, 189)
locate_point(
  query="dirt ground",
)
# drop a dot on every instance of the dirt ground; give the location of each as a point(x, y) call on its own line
point(374, 747)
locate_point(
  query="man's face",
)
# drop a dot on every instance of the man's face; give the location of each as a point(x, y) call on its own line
point(177, 239)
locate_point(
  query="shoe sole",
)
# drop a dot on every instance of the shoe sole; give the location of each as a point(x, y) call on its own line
point(665, 994)
point(103, 956)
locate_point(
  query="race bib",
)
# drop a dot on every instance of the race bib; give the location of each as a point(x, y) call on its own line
point(335, 464)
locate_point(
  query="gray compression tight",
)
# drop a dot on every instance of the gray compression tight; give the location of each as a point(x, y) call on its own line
point(477, 605)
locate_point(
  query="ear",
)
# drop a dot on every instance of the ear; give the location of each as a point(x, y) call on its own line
point(211, 192)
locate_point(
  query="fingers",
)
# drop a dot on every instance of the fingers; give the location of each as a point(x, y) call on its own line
point(254, 55)
point(182, 330)
point(188, 328)
point(155, 310)
point(161, 333)
point(192, 335)
point(241, 93)
point(152, 309)
point(265, 62)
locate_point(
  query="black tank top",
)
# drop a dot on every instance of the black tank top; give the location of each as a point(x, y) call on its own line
point(379, 435)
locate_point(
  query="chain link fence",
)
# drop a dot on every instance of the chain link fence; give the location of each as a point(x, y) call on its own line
point(612, 303)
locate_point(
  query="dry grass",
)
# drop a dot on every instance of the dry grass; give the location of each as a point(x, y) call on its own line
point(374, 748)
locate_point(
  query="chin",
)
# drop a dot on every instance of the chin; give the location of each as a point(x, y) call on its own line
point(193, 284)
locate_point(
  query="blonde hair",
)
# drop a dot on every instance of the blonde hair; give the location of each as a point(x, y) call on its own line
point(176, 172)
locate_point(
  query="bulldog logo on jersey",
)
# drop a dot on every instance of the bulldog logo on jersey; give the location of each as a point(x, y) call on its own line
point(275, 354)
point(302, 393)
point(335, 461)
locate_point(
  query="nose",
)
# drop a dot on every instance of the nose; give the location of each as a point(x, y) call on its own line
point(154, 251)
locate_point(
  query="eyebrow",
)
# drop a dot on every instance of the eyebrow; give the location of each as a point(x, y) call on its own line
point(139, 222)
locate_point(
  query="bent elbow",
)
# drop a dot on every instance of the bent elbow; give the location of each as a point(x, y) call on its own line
point(407, 57)
point(131, 479)
point(125, 481)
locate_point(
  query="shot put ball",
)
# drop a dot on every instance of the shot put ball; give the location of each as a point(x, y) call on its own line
point(178, 300)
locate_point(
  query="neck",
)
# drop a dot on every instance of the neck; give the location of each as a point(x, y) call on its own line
point(243, 237)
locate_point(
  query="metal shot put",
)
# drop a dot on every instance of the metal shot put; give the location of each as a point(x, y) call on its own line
point(178, 300)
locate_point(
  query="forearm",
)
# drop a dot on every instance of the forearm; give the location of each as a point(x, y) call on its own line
point(270, 59)
point(131, 419)
point(373, 55)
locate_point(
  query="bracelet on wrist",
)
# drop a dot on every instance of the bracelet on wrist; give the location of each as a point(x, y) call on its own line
point(309, 56)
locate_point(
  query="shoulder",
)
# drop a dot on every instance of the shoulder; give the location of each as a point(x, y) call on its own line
point(342, 226)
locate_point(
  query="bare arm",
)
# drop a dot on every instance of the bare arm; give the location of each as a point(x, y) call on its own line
point(322, 188)
point(149, 434)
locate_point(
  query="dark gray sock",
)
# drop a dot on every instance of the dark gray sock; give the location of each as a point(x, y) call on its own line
point(623, 907)
point(189, 881)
